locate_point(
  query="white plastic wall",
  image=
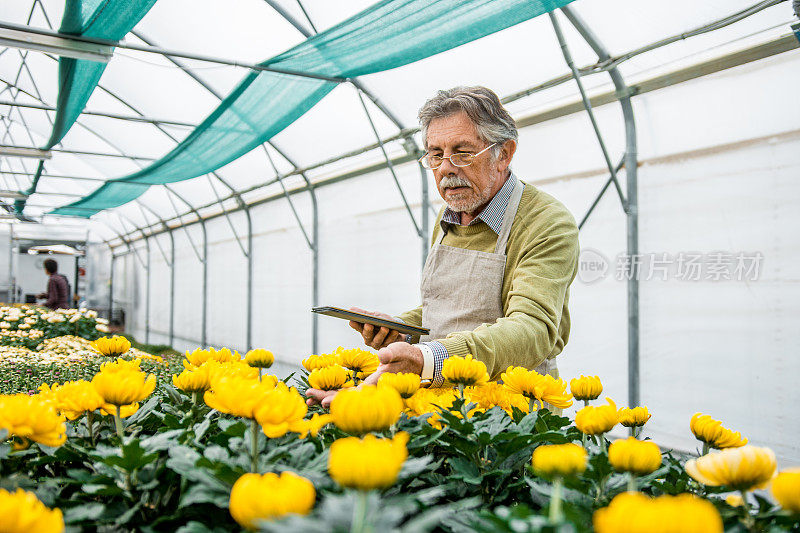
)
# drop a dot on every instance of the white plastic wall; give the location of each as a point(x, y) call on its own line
point(719, 173)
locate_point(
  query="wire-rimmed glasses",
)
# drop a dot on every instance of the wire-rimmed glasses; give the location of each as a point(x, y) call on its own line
point(458, 159)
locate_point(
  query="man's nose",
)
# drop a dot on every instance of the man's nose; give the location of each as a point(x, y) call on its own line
point(447, 168)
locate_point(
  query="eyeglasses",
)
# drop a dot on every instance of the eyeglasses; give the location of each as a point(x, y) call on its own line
point(458, 159)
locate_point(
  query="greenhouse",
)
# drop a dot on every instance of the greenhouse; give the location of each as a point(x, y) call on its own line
point(184, 181)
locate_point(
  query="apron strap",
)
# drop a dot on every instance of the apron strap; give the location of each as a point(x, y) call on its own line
point(441, 235)
point(508, 217)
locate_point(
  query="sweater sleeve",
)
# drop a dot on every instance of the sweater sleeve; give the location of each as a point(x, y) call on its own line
point(412, 317)
point(529, 329)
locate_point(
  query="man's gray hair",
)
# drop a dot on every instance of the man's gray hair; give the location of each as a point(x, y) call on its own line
point(481, 105)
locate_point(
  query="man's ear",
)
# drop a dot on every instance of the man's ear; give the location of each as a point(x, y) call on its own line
point(506, 155)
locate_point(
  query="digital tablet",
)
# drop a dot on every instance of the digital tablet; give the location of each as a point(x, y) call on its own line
point(346, 314)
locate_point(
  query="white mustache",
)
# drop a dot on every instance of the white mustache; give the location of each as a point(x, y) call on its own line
point(454, 181)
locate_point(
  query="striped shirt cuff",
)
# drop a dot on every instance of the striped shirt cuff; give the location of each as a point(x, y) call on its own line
point(439, 355)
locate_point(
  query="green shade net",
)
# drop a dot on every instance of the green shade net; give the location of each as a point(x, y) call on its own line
point(77, 78)
point(387, 35)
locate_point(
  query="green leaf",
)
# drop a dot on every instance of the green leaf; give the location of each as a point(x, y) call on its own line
point(83, 513)
point(161, 441)
point(204, 494)
point(133, 457)
point(465, 470)
point(198, 527)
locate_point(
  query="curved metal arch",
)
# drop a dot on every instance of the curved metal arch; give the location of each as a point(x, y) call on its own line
point(105, 140)
point(631, 203)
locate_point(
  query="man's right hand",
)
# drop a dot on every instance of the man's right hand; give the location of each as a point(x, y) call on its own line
point(376, 337)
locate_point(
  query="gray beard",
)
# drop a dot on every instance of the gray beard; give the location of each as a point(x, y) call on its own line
point(462, 206)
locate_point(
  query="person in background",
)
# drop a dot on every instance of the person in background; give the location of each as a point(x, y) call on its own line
point(57, 287)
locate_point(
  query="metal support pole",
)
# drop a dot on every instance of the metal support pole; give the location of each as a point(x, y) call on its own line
point(172, 289)
point(600, 195)
point(425, 217)
point(586, 104)
point(632, 211)
point(204, 312)
point(312, 242)
point(249, 343)
point(147, 295)
point(314, 268)
point(389, 163)
point(111, 287)
point(169, 53)
point(12, 282)
point(227, 216)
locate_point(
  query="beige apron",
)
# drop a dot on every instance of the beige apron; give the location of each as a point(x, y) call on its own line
point(462, 289)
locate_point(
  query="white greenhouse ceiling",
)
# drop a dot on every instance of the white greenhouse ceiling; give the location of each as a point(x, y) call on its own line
point(146, 103)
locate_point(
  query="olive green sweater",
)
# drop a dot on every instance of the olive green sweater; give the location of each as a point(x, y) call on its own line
point(541, 263)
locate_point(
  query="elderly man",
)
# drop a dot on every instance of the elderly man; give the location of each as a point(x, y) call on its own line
point(504, 253)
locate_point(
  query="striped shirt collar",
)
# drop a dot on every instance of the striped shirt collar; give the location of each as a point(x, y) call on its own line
point(492, 214)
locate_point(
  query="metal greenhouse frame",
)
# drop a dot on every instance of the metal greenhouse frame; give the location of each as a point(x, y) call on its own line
point(231, 200)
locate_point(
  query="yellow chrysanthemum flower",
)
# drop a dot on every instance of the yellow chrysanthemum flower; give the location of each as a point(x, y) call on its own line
point(559, 460)
point(310, 426)
point(121, 365)
point(197, 380)
point(636, 417)
point(745, 468)
point(370, 408)
point(114, 347)
point(734, 500)
point(493, 394)
point(257, 497)
point(786, 489)
point(635, 456)
point(259, 358)
point(405, 383)
point(359, 361)
point(520, 380)
point(586, 388)
point(593, 420)
point(633, 512)
point(22, 512)
point(432, 401)
point(429, 400)
point(553, 391)
point(237, 369)
point(279, 410)
point(74, 398)
point(124, 411)
point(533, 385)
point(47, 393)
point(121, 387)
point(237, 396)
point(711, 432)
point(466, 371)
point(30, 418)
point(312, 362)
point(333, 377)
point(368, 463)
point(200, 356)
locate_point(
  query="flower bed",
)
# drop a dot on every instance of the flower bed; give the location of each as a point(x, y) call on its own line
point(66, 358)
point(227, 446)
point(29, 325)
